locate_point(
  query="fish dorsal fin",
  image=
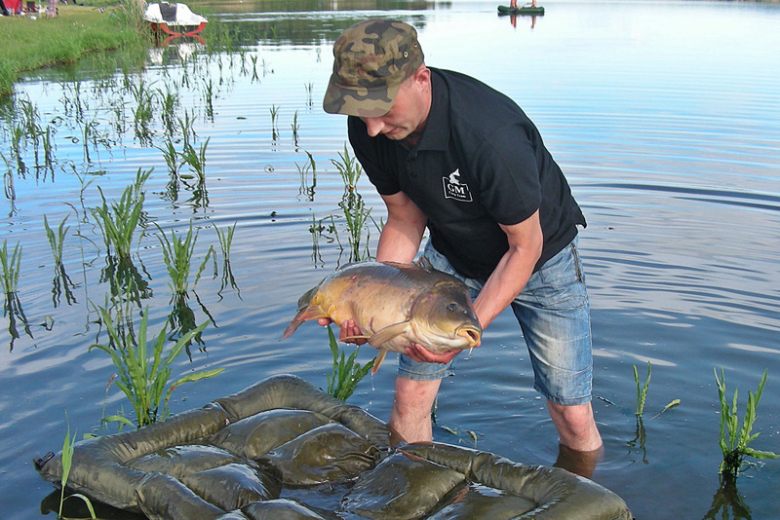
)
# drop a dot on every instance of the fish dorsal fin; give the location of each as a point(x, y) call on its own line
point(384, 335)
point(424, 263)
point(378, 360)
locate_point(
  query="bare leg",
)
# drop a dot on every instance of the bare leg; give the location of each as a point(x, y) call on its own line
point(411, 413)
point(576, 426)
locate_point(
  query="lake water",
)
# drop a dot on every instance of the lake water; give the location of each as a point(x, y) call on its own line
point(665, 117)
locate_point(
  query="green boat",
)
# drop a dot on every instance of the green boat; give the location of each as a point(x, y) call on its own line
point(527, 9)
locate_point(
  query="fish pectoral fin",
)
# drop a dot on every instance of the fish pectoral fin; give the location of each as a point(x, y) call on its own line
point(378, 360)
point(355, 337)
point(312, 312)
point(384, 335)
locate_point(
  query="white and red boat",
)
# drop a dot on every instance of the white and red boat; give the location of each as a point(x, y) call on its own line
point(174, 19)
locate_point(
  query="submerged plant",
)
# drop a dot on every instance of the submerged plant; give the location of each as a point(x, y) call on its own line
point(144, 370)
point(196, 160)
point(12, 307)
point(735, 440)
point(62, 282)
point(178, 253)
point(355, 212)
point(274, 128)
point(67, 462)
point(346, 372)
point(119, 222)
point(641, 393)
point(225, 242)
point(307, 188)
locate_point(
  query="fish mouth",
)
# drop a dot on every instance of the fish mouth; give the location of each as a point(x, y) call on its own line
point(471, 334)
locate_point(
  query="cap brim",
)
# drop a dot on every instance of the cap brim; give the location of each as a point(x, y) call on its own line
point(358, 101)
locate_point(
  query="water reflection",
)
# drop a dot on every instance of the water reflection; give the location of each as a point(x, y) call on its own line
point(727, 503)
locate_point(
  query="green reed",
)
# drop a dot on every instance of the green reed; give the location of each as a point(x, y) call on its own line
point(12, 307)
point(178, 252)
point(309, 93)
point(346, 372)
point(356, 216)
point(295, 127)
point(274, 122)
point(196, 160)
point(735, 439)
point(169, 101)
point(48, 146)
point(119, 222)
point(144, 110)
point(62, 282)
point(171, 156)
point(225, 243)
point(355, 212)
point(641, 392)
point(67, 464)
point(145, 370)
point(209, 95)
point(307, 188)
point(350, 170)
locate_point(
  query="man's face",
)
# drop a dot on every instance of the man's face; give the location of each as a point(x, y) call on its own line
point(409, 112)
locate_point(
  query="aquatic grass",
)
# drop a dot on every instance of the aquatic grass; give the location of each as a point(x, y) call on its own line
point(735, 439)
point(169, 101)
point(67, 463)
point(48, 147)
point(307, 188)
point(274, 122)
point(172, 160)
point(346, 372)
point(196, 160)
point(350, 170)
point(295, 127)
point(143, 114)
point(61, 282)
point(356, 216)
point(178, 252)
point(145, 370)
point(12, 307)
point(354, 209)
point(463, 435)
point(119, 222)
point(309, 94)
point(225, 243)
point(9, 190)
point(208, 95)
point(641, 393)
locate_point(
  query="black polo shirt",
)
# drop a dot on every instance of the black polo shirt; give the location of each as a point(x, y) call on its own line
point(480, 162)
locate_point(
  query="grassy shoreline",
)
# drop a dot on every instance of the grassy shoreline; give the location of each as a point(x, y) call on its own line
point(32, 43)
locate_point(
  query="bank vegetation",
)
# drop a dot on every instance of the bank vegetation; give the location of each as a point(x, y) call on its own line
point(31, 42)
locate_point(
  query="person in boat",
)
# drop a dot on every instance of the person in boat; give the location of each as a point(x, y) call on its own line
point(450, 154)
point(513, 4)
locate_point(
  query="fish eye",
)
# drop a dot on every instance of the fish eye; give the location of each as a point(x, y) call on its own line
point(452, 307)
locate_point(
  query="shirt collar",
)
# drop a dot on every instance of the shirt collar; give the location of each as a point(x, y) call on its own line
point(437, 128)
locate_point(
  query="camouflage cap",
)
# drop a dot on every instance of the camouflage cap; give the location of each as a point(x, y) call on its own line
point(371, 60)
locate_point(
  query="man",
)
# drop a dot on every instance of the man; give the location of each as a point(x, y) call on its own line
point(449, 153)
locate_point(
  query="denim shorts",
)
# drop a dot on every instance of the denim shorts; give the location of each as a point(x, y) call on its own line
point(554, 314)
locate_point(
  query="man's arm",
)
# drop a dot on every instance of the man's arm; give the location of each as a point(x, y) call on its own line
point(504, 284)
point(402, 233)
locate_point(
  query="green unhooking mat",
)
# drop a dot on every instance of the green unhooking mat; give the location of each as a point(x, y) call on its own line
point(283, 449)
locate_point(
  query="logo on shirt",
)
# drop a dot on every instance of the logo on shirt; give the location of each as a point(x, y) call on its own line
point(454, 189)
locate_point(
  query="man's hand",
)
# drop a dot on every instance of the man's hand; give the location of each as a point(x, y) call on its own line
point(348, 331)
point(423, 355)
